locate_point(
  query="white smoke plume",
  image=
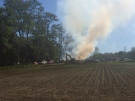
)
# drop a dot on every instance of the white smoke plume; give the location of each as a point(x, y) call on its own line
point(89, 20)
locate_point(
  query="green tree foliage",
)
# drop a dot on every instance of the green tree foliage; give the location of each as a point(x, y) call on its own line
point(28, 33)
point(132, 53)
point(117, 56)
point(7, 39)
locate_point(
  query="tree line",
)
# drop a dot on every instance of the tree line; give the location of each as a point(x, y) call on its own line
point(28, 33)
point(117, 56)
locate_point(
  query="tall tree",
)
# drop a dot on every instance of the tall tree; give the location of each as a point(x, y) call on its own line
point(132, 53)
point(7, 39)
point(63, 39)
point(49, 19)
point(58, 30)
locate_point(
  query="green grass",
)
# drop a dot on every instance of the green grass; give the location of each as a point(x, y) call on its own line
point(30, 66)
point(18, 66)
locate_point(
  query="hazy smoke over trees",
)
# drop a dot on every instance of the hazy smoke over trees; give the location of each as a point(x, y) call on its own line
point(89, 20)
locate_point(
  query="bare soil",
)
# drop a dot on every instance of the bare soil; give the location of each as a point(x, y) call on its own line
point(79, 82)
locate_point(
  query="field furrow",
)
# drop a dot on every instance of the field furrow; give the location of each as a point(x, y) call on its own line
point(78, 82)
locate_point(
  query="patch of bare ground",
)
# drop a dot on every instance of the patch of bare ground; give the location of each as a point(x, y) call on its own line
point(78, 82)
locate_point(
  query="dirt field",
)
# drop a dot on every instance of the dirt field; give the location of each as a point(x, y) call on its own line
point(80, 82)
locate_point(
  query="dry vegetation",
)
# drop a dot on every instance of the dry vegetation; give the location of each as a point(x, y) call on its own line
point(80, 82)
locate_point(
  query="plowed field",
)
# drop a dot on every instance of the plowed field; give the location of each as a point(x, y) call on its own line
point(79, 82)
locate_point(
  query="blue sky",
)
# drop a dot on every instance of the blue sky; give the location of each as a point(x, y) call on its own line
point(123, 36)
point(49, 5)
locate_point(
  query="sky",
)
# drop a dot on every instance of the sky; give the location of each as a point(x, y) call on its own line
point(123, 36)
point(120, 37)
point(49, 5)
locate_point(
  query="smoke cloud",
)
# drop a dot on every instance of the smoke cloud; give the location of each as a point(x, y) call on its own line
point(89, 20)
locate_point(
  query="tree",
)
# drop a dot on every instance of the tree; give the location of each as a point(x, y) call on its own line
point(59, 32)
point(29, 21)
point(45, 36)
point(23, 12)
point(49, 19)
point(34, 12)
point(132, 53)
point(7, 39)
point(121, 55)
point(63, 39)
point(96, 55)
point(68, 40)
point(29, 33)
